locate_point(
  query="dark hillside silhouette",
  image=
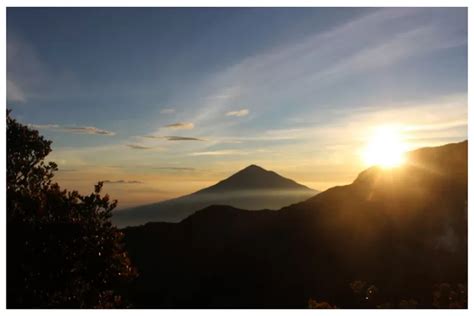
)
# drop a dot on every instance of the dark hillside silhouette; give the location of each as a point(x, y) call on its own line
point(252, 188)
point(403, 231)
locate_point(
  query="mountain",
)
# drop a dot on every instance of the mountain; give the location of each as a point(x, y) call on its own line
point(392, 236)
point(252, 188)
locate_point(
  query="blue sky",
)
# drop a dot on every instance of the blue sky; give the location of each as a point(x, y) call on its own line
point(177, 98)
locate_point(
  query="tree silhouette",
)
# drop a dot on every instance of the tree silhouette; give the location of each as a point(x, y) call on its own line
point(62, 250)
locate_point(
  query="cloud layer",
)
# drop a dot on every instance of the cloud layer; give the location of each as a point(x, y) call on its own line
point(167, 111)
point(135, 146)
point(239, 113)
point(90, 130)
point(179, 138)
point(174, 138)
point(122, 181)
point(180, 125)
point(14, 93)
point(218, 153)
point(175, 168)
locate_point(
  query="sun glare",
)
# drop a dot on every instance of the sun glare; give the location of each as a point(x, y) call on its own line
point(385, 148)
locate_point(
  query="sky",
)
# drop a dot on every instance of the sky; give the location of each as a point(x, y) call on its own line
point(161, 102)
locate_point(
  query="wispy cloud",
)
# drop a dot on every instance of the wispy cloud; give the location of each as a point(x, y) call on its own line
point(152, 137)
point(218, 153)
point(29, 77)
point(180, 138)
point(25, 71)
point(135, 146)
point(167, 111)
point(14, 92)
point(447, 117)
point(67, 170)
point(227, 94)
point(180, 125)
point(312, 68)
point(173, 138)
point(90, 130)
point(122, 181)
point(437, 126)
point(44, 126)
point(238, 113)
point(175, 168)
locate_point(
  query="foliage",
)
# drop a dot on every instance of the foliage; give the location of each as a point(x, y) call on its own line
point(448, 295)
point(445, 295)
point(408, 304)
point(313, 304)
point(62, 250)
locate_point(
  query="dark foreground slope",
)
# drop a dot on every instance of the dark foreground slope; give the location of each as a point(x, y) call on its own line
point(252, 188)
point(403, 230)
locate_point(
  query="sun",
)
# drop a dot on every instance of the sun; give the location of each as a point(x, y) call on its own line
point(385, 148)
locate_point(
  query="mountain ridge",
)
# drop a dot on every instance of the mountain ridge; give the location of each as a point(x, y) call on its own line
point(251, 188)
point(403, 230)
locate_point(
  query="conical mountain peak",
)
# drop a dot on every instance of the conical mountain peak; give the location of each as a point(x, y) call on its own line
point(251, 188)
point(254, 167)
point(255, 177)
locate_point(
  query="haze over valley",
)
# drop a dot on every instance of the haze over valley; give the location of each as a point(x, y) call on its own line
point(252, 188)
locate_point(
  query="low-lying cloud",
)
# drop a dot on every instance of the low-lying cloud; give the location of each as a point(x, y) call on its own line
point(167, 111)
point(239, 113)
point(173, 138)
point(43, 126)
point(122, 181)
point(181, 125)
point(67, 170)
point(14, 92)
point(135, 146)
point(90, 130)
point(179, 138)
point(175, 168)
point(218, 153)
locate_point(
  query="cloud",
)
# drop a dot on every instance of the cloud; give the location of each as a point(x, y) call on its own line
point(218, 153)
point(122, 181)
point(43, 126)
point(175, 168)
point(14, 92)
point(239, 113)
point(152, 137)
point(179, 138)
point(314, 67)
point(181, 125)
point(173, 138)
point(90, 130)
point(438, 125)
point(230, 93)
point(134, 146)
point(67, 170)
point(167, 111)
point(25, 71)
point(29, 77)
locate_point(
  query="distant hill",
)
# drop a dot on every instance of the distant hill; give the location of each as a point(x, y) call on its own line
point(252, 188)
point(403, 230)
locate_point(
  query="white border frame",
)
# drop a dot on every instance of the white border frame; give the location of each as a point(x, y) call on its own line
point(222, 3)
